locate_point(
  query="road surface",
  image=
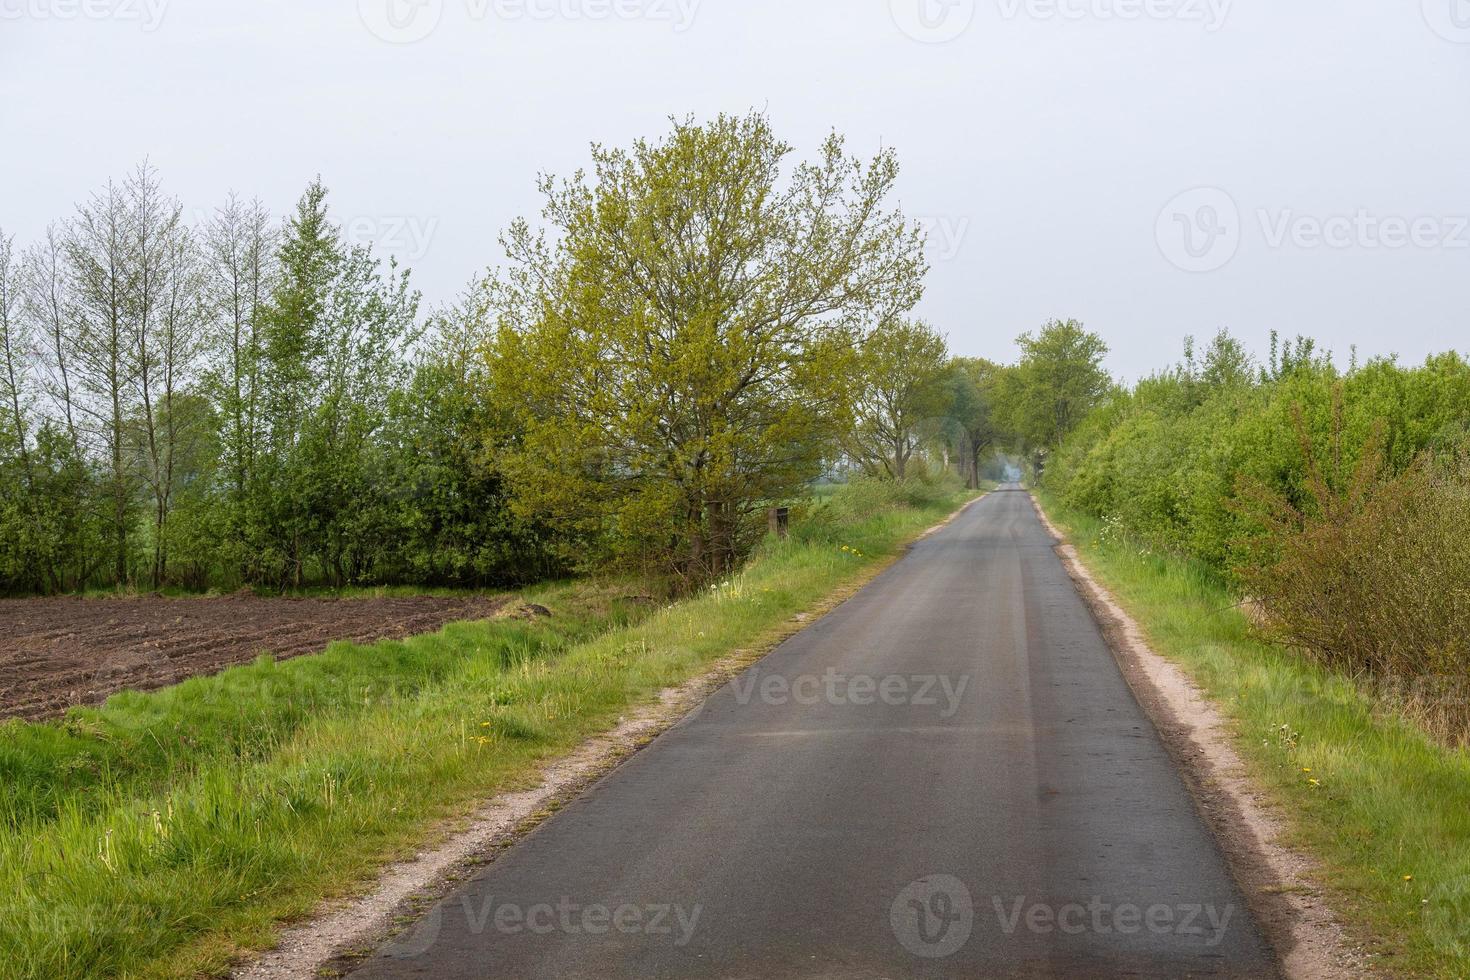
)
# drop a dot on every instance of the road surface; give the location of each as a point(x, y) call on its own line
point(946, 777)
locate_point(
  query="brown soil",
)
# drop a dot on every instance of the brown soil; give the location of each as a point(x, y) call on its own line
point(59, 652)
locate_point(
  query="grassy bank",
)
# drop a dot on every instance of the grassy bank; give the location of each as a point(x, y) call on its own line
point(1384, 807)
point(161, 833)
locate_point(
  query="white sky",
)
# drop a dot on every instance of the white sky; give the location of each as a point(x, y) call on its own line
point(1046, 141)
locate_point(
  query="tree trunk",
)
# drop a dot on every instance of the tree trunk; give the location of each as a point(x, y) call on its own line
point(119, 496)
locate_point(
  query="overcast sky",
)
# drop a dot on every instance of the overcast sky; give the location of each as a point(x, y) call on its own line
point(1151, 167)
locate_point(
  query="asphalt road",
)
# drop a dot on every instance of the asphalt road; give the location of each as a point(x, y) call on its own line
point(946, 777)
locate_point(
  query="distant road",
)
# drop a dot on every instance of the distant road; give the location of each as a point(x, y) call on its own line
point(946, 777)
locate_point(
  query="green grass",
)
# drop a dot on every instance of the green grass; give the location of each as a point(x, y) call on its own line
point(162, 833)
point(1389, 813)
point(141, 742)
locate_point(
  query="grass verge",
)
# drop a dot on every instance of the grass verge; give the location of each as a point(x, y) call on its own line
point(162, 833)
point(1383, 806)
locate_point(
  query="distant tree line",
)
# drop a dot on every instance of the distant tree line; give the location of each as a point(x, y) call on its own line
point(697, 329)
point(242, 401)
point(1167, 460)
point(1337, 500)
point(969, 414)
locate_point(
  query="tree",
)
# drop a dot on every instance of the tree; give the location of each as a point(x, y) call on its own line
point(1227, 363)
point(48, 306)
point(1057, 382)
point(239, 246)
point(448, 512)
point(367, 331)
point(902, 397)
point(17, 473)
point(294, 344)
point(972, 385)
point(222, 404)
point(680, 349)
point(101, 347)
point(165, 304)
point(14, 353)
point(331, 347)
point(65, 490)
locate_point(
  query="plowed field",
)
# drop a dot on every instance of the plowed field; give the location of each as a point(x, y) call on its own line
point(59, 652)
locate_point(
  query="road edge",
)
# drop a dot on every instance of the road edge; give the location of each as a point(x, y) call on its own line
point(341, 933)
point(1279, 882)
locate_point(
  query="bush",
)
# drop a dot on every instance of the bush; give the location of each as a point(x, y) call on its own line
point(1162, 461)
point(1372, 579)
point(1339, 500)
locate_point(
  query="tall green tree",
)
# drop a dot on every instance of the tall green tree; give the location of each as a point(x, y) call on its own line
point(14, 354)
point(448, 509)
point(101, 348)
point(973, 382)
point(1226, 363)
point(239, 278)
point(308, 382)
point(166, 307)
point(294, 346)
point(66, 493)
point(681, 348)
point(902, 395)
point(17, 471)
point(368, 330)
point(1058, 380)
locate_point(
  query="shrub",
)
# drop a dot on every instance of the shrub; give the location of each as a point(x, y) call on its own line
point(1163, 460)
point(1370, 575)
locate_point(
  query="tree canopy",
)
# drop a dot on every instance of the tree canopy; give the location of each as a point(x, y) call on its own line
point(973, 391)
point(902, 398)
point(681, 342)
point(1057, 382)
